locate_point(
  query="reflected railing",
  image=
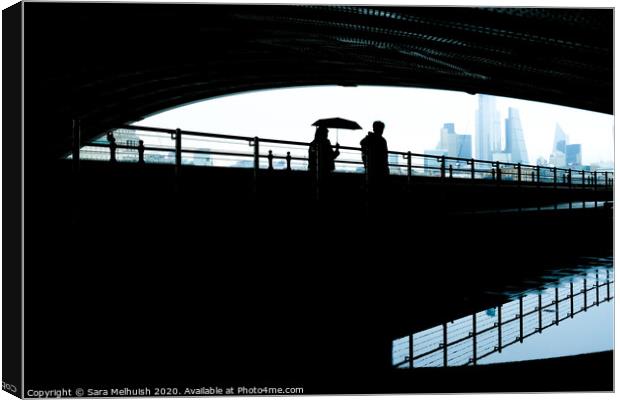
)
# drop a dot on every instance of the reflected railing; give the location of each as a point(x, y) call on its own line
point(180, 147)
point(467, 340)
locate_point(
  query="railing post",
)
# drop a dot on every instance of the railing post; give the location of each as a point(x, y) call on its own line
point(408, 157)
point(583, 187)
point(557, 306)
point(570, 188)
point(606, 179)
point(113, 145)
point(472, 164)
point(519, 178)
point(443, 167)
point(288, 160)
point(597, 295)
point(555, 187)
point(178, 155)
point(572, 310)
point(499, 328)
point(450, 171)
point(256, 143)
point(141, 152)
point(538, 182)
point(411, 351)
point(583, 179)
point(474, 339)
point(499, 172)
point(445, 344)
point(585, 294)
point(540, 325)
point(607, 285)
point(270, 159)
point(520, 319)
point(595, 178)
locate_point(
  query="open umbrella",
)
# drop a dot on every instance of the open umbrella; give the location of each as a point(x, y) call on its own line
point(338, 123)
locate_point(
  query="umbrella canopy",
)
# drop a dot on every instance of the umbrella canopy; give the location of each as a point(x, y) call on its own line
point(338, 123)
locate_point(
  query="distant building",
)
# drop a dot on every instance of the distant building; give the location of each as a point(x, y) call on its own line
point(202, 159)
point(244, 164)
point(455, 144)
point(501, 156)
point(541, 161)
point(394, 159)
point(463, 143)
point(573, 155)
point(432, 164)
point(124, 137)
point(488, 130)
point(602, 166)
point(279, 164)
point(558, 153)
point(515, 142)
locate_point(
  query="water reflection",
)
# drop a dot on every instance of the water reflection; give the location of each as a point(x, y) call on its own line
point(483, 337)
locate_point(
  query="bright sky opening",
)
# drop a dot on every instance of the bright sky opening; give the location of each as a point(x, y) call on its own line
point(413, 118)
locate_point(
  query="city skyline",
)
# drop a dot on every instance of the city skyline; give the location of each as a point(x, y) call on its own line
point(412, 116)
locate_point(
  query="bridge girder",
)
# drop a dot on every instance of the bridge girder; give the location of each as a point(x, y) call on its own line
point(109, 64)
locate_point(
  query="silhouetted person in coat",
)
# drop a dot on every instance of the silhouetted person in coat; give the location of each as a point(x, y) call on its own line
point(375, 157)
point(321, 158)
point(375, 153)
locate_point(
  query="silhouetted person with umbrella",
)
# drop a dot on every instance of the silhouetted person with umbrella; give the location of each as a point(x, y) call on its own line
point(321, 157)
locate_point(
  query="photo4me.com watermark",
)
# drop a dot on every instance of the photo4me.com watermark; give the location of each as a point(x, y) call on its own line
point(163, 391)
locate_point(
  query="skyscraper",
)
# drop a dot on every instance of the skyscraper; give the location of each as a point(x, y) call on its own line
point(454, 144)
point(560, 139)
point(558, 153)
point(515, 143)
point(573, 155)
point(488, 131)
point(463, 145)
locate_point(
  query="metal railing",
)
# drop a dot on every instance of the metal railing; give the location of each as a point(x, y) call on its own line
point(469, 339)
point(211, 149)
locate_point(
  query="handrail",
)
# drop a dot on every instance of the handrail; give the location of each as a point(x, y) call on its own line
point(448, 167)
point(296, 143)
point(471, 333)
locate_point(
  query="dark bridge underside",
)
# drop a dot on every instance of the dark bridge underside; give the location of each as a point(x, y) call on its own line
point(109, 64)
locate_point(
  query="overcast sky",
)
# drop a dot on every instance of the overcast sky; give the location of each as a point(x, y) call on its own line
point(413, 117)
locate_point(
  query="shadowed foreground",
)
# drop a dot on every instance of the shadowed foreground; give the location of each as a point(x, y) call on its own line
point(218, 288)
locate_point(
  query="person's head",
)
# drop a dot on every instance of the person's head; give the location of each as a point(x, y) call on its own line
point(377, 127)
point(321, 133)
